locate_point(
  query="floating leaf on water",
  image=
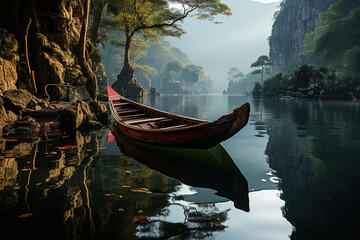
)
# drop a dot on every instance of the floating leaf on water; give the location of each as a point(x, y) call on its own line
point(125, 186)
point(110, 194)
point(11, 140)
point(25, 215)
point(26, 169)
point(121, 210)
point(68, 147)
point(141, 190)
point(140, 219)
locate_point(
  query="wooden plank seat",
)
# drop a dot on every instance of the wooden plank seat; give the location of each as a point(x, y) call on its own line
point(176, 126)
point(143, 120)
point(127, 110)
point(120, 104)
point(132, 116)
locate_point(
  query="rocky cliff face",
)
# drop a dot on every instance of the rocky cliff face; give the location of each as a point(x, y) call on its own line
point(293, 21)
point(53, 43)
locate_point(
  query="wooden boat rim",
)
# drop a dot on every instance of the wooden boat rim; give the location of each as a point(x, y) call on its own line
point(201, 123)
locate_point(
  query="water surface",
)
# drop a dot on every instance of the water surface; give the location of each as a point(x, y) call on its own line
point(291, 173)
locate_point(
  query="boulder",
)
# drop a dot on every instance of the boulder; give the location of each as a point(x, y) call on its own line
point(100, 111)
point(11, 117)
point(70, 118)
point(78, 93)
point(22, 127)
point(37, 104)
point(80, 115)
point(3, 115)
point(16, 100)
point(72, 75)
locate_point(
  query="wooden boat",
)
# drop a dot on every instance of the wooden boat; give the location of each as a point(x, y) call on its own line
point(157, 127)
point(204, 168)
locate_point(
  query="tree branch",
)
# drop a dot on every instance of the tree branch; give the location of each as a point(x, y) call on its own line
point(159, 25)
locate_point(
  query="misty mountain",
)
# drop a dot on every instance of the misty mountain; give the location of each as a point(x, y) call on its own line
point(238, 41)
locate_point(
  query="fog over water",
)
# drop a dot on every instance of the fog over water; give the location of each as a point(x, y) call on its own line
point(238, 41)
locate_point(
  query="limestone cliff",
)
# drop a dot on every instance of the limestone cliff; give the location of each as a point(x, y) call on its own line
point(293, 21)
point(53, 48)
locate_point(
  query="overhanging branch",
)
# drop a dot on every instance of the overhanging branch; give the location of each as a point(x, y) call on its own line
point(160, 25)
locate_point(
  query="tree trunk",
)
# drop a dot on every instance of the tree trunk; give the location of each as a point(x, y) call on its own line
point(126, 83)
point(91, 84)
point(127, 64)
point(94, 29)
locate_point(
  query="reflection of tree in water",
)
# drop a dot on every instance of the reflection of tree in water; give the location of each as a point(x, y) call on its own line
point(65, 187)
point(200, 222)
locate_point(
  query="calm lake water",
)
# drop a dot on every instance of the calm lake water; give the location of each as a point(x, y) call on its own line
point(292, 173)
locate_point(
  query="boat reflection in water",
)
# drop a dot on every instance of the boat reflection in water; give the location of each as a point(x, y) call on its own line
point(212, 168)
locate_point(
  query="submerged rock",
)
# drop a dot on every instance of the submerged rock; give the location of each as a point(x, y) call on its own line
point(22, 127)
point(16, 100)
point(81, 115)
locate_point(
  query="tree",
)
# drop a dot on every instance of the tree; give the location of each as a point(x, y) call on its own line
point(174, 66)
point(91, 83)
point(153, 18)
point(191, 74)
point(338, 33)
point(263, 63)
point(234, 73)
point(302, 75)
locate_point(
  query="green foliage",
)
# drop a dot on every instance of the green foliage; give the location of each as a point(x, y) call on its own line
point(192, 74)
point(258, 89)
point(178, 78)
point(175, 66)
point(234, 73)
point(264, 63)
point(276, 85)
point(310, 81)
point(338, 34)
point(154, 18)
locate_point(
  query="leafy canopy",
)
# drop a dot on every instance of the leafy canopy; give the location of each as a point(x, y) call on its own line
point(156, 17)
point(339, 33)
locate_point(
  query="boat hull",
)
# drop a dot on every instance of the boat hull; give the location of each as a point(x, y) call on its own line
point(200, 134)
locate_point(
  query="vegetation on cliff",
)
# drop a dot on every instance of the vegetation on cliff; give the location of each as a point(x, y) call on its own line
point(333, 50)
point(149, 20)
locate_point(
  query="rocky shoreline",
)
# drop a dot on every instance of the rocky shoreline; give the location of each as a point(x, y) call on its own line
point(21, 114)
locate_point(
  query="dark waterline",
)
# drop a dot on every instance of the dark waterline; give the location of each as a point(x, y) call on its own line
point(299, 160)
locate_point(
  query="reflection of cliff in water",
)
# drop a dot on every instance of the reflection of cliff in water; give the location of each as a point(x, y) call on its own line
point(311, 146)
point(68, 187)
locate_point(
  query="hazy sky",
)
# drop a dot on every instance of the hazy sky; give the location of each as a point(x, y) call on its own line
point(238, 41)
